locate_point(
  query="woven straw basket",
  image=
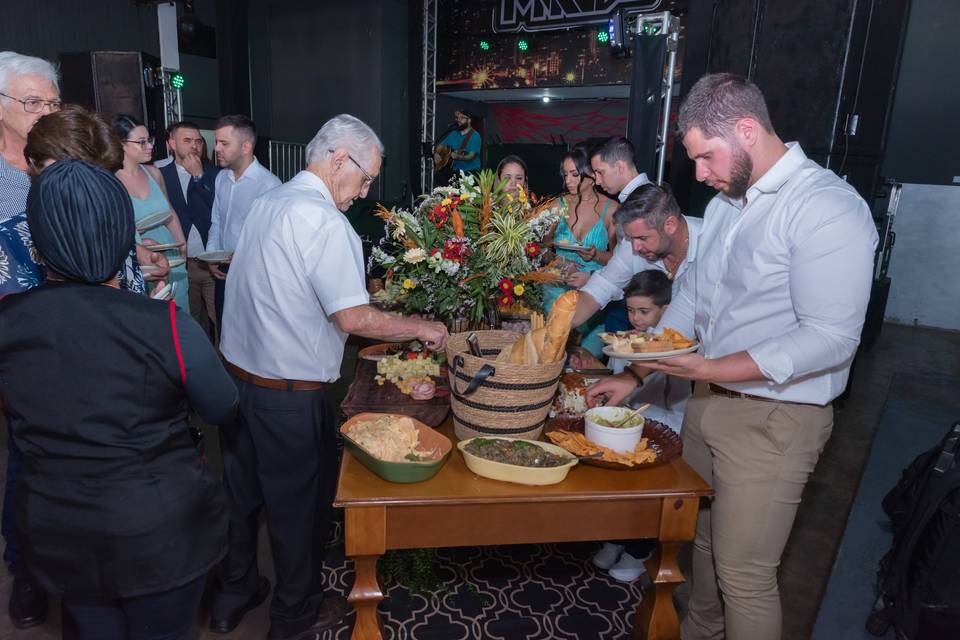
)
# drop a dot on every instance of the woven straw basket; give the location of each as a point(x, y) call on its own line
point(492, 398)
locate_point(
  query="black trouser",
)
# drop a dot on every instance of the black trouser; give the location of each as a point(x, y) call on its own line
point(157, 616)
point(281, 454)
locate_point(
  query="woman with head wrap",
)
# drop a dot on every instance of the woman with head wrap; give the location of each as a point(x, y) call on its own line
point(124, 519)
point(72, 132)
point(149, 196)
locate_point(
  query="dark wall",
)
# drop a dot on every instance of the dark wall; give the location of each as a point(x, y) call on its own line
point(51, 27)
point(924, 132)
point(337, 57)
point(818, 63)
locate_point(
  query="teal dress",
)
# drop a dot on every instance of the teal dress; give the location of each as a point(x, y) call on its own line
point(154, 203)
point(595, 237)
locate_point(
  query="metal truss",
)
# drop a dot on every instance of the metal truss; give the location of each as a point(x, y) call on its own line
point(428, 123)
point(172, 99)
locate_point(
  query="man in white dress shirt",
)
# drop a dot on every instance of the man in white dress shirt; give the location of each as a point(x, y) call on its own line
point(777, 299)
point(654, 235)
point(242, 181)
point(615, 169)
point(296, 290)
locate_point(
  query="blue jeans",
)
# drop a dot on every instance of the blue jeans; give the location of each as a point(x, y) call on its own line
point(168, 615)
point(8, 525)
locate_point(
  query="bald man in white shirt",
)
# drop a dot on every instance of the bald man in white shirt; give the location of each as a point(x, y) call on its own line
point(777, 301)
point(296, 290)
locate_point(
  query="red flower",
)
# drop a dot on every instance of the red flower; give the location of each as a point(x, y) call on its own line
point(506, 286)
point(532, 249)
point(505, 300)
point(454, 250)
point(434, 252)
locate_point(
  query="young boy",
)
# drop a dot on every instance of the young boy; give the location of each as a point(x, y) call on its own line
point(647, 295)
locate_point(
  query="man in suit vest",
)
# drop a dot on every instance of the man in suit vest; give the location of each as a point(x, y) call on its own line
point(190, 185)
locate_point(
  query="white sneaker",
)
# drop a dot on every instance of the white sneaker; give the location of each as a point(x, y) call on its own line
point(607, 556)
point(627, 569)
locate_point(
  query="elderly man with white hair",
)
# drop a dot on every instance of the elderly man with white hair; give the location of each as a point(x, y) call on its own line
point(28, 90)
point(296, 290)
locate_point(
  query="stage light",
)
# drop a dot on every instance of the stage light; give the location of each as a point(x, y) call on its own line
point(177, 81)
point(522, 44)
point(603, 36)
point(484, 45)
point(545, 98)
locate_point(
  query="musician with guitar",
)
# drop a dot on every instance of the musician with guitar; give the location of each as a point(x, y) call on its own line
point(461, 147)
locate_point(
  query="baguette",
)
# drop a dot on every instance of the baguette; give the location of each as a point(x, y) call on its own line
point(558, 327)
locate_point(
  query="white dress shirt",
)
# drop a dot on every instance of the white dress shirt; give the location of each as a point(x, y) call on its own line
point(298, 261)
point(194, 241)
point(232, 201)
point(606, 285)
point(784, 275)
point(631, 186)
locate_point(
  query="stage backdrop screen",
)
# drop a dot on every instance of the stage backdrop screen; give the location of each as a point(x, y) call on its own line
point(518, 44)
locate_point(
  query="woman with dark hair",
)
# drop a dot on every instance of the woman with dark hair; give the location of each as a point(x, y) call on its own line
point(72, 132)
point(146, 188)
point(514, 170)
point(124, 520)
point(587, 231)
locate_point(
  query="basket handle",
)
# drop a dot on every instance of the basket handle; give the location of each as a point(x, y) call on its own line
point(485, 372)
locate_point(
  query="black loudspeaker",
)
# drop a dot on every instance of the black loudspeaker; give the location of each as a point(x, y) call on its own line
point(107, 81)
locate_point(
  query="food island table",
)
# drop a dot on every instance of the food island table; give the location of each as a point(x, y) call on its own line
point(457, 508)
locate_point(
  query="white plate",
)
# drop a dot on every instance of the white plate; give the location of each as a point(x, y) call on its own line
point(163, 247)
point(652, 355)
point(176, 262)
point(163, 293)
point(570, 246)
point(153, 220)
point(215, 256)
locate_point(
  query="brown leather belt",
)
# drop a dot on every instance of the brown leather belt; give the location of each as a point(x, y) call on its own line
point(721, 391)
point(272, 383)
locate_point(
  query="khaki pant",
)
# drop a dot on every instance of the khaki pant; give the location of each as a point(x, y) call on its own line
point(202, 307)
point(757, 456)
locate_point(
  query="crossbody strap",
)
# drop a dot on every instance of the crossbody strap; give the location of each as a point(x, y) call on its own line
point(176, 342)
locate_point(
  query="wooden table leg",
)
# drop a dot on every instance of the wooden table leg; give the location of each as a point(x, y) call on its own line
point(365, 597)
point(365, 542)
point(656, 615)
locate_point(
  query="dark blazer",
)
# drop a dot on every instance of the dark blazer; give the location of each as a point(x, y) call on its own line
point(195, 210)
point(114, 498)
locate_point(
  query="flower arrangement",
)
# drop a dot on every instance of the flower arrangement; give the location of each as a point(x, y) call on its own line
point(463, 248)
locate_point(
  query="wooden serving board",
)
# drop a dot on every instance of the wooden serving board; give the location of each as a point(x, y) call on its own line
point(366, 395)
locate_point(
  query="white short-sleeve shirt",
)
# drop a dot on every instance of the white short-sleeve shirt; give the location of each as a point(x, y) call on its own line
point(298, 262)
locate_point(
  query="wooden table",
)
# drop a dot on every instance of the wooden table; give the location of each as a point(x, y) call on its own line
point(456, 508)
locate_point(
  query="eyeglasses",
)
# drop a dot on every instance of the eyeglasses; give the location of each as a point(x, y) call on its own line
point(143, 142)
point(36, 105)
point(367, 178)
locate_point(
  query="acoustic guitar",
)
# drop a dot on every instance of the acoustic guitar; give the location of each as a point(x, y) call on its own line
point(442, 157)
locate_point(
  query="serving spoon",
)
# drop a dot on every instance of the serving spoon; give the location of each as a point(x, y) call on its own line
point(631, 415)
